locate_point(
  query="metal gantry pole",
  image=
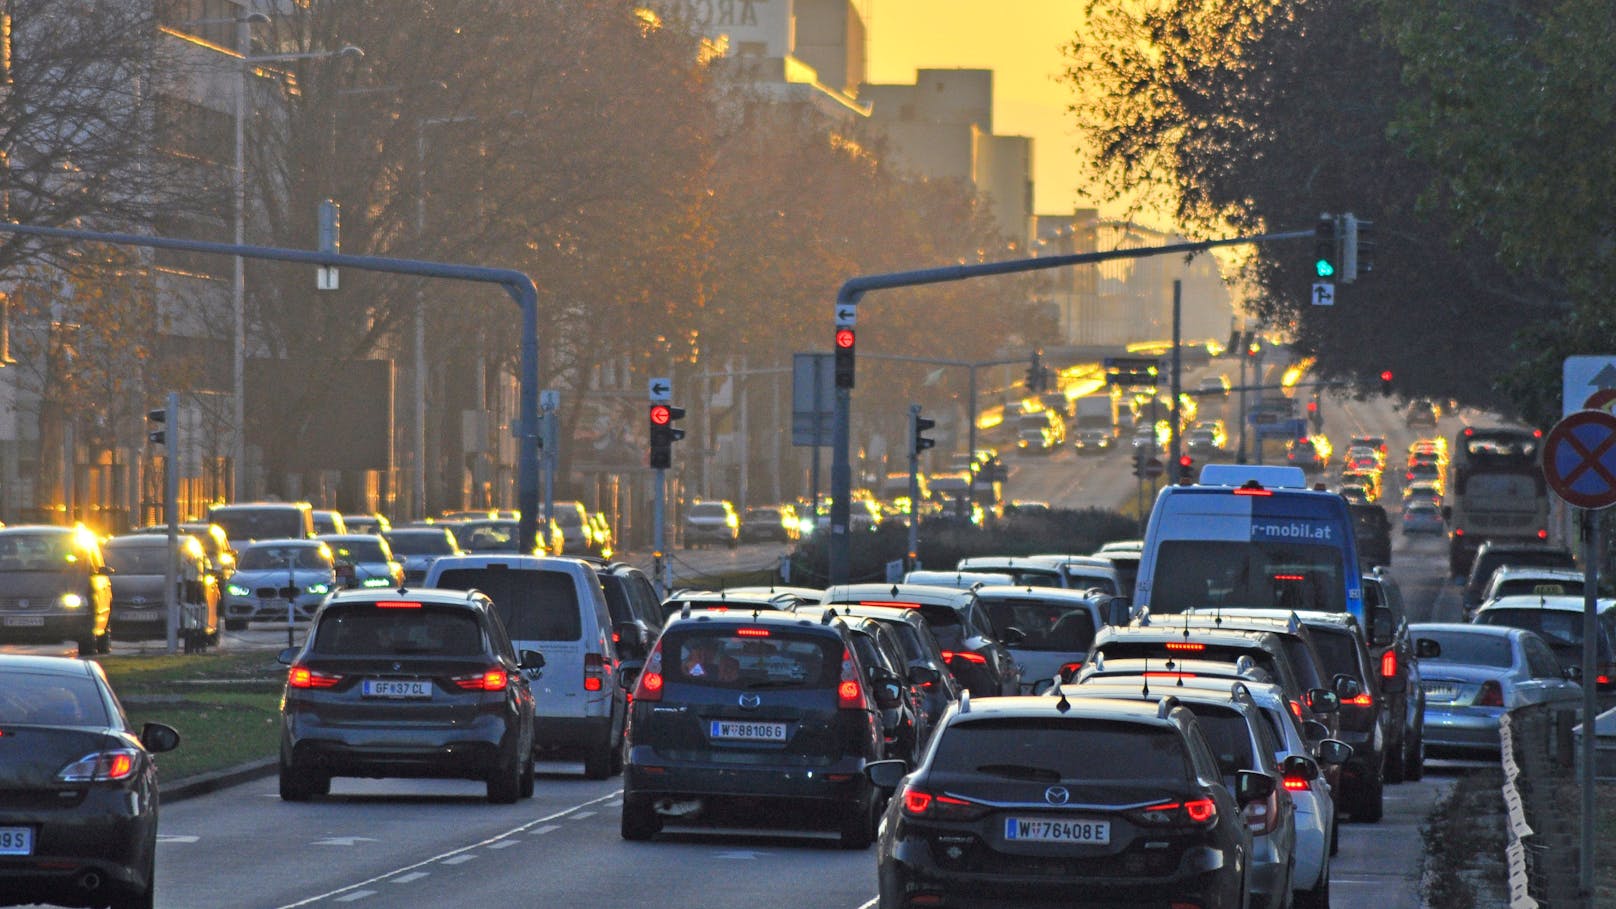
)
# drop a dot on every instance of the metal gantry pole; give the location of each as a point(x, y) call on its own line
point(1590, 705)
point(238, 280)
point(1174, 384)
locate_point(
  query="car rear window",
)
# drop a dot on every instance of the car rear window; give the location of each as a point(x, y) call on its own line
point(1054, 626)
point(1061, 750)
point(751, 658)
point(1338, 651)
point(1560, 628)
point(1511, 587)
point(358, 550)
point(708, 511)
point(434, 543)
point(533, 605)
point(259, 523)
point(1471, 649)
point(361, 629)
point(1229, 735)
point(1155, 651)
point(51, 699)
point(617, 599)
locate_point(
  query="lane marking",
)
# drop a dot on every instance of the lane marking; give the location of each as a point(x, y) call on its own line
point(502, 844)
point(581, 815)
point(355, 896)
point(460, 859)
point(453, 852)
point(542, 830)
point(410, 878)
point(870, 904)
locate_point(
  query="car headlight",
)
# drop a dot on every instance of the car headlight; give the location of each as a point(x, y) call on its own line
point(236, 590)
point(374, 582)
point(72, 600)
point(319, 587)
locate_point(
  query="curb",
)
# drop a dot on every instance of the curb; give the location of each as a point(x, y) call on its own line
point(214, 780)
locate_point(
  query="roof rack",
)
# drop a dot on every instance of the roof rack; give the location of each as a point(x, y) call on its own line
point(1165, 706)
point(1239, 693)
point(964, 702)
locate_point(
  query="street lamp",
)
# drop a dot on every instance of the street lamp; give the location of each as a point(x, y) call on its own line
point(238, 288)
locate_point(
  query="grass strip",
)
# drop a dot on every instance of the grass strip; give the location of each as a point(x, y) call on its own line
point(1464, 841)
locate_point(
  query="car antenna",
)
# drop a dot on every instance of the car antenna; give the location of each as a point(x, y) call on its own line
point(1145, 677)
point(894, 589)
point(1063, 704)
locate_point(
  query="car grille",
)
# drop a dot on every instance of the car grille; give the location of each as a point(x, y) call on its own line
point(20, 603)
point(137, 604)
point(270, 593)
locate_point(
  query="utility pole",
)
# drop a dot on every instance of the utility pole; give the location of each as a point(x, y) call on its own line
point(1178, 366)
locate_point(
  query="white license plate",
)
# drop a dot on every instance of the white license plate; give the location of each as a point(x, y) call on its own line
point(273, 604)
point(387, 688)
point(25, 621)
point(1441, 692)
point(747, 732)
point(16, 841)
point(1049, 830)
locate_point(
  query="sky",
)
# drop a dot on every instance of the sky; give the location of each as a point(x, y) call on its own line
point(1021, 41)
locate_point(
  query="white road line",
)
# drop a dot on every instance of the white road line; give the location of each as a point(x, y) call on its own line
point(502, 844)
point(463, 849)
point(460, 859)
point(536, 831)
point(355, 896)
point(410, 878)
point(581, 815)
point(870, 904)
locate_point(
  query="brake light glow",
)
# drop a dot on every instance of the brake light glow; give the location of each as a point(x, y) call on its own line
point(1296, 708)
point(1362, 700)
point(966, 655)
point(916, 802)
point(1490, 695)
point(1201, 810)
point(100, 767)
point(1542, 534)
point(1458, 531)
point(900, 605)
point(300, 676)
point(920, 803)
point(494, 679)
point(1295, 783)
point(1242, 491)
point(1388, 664)
point(1185, 645)
point(649, 685)
point(752, 632)
point(1290, 577)
point(397, 604)
point(1169, 675)
point(849, 693)
point(594, 671)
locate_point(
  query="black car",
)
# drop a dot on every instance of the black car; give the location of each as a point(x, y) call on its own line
point(1367, 717)
point(903, 722)
point(979, 660)
point(78, 819)
point(1028, 801)
point(928, 669)
point(1391, 651)
point(768, 716)
point(769, 522)
point(1372, 528)
point(423, 684)
point(636, 613)
point(724, 601)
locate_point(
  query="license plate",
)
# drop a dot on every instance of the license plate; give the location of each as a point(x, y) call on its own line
point(747, 732)
point(25, 621)
point(388, 688)
point(16, 841)
point(1437, 692)
point(1048, 830)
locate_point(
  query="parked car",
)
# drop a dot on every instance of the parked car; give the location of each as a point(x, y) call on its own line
point(278, 581)
point(976, 656)
point(423, 685)
point(418, 547)
point(54, 587)
point(364, 560)
point(78, 823)
point(712, 522)
point(139, 564)
point(1474, 674)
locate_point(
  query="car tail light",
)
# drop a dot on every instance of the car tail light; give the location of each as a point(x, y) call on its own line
point(966, 655)
point(1388, 664)
point(1458, 531)
point(1196, 811)
point(1185, 645)
point(1542, 534)
point(594, 671)
point(101, 767)
point(1362, 700)
point(920, 803)
point(649, 685)
point(1490, 695)
point(397, 604)
point(1607, 671)
point(1261, 816)
point(300, 676)
point(494, 679)
point(1296, 708)
point(1297, 784)
point(752, 632)
point(849, 693)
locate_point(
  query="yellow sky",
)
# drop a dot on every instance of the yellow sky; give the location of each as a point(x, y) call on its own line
point(1021, 41)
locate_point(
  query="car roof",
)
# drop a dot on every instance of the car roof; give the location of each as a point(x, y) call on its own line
point(437, 596)
point(1043, 707)
point(36, 528)
point(1165, 632)
point(1045, 594)
point(143, 537)
point(1014, 563)
point(280, 542)
point(1305, 616)
point(1554, 602)
point(782, 620)
point(55, 665)
point(896, 594)
point(1568, 574)
point(348, 537)
point(1465, 627)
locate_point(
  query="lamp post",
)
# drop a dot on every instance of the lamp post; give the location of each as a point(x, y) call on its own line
point(238, 287)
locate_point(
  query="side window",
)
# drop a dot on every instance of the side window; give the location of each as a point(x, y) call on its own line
point(1540, 659)
point(497, 636)
point(643, 598)
point(1206, 766)
point(979, 622)
point(1265, 737)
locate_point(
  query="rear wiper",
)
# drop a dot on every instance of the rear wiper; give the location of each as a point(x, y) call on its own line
point(1021, 772)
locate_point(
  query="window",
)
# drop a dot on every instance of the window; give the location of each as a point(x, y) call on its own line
point(259, 558)
point(1471, 647)
point(1276, 575)
point(533, 605)
point(1062, 627)
point(428, 542)
point(51, 699)
point(362, 629)
point(131, 559)
point(1053, 750)
point(1540, 659)
point(1229, 736)
point(37, 552)
point(728, 659)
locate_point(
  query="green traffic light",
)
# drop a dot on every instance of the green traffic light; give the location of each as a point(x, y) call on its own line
point(1324, 268)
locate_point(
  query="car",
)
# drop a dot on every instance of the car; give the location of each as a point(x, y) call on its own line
point(1026, 801)
point(1474, 674)
point(1087, 572)
point(1356, 494)
point(78, 824)
point(1422, 516)
point(726, 600)
point(1368, 479)
point(1376, 443)
point(1311, 453)
point(636, 613)
point(979, 660)
point(927, 667)
point(1046, 629)
point(479, 535)
point(604, 537)
point(1420, 413)
point(215, 545)
point(730, 708)
point(1429, 490)
point(1369, 718)
point(1215, 386)
point(1035, 572)
point(1493, 554)
point(1426, 473)
point(364, 560)
point(1558, 619)
point(418, 547)
point(278, 581)
point(1093, 440)
point(416, 683)
point(327, 521)
point(54, 587)
point(1392, 650)
point(1203, 443)
point(556, 606)
point(1124, 556)
point(769, 523)
point(1144, 439)
point(577, 537)
point(962, 580)
point(244, 522)
point(713, 522)
point(367, 523)
point(904, 726)
point(140, 564)
point(1373, 529)
point(1363, 457)
point(1520, 580)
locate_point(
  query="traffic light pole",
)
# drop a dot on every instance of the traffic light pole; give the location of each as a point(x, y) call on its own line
point(659, 548)
point(913, 549)
point(171, 511)
point(1174, 383)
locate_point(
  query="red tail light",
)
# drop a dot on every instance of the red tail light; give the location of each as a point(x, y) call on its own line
point(849, 693)
point(752, 632)
point(1198, 811)
point(966, 655)
point(1458, 531)
point(1201, 811)
point(1388, 664)
point(1362, 700)
point(920, 803)
point(1296, 708)
point(1185, 645)
point(300, 676)
point(494, 679)
point(594, 671)
point(649, 685)
point(1296, 783)
point(1490, 695)
point(1542, 534)
point(397, 604)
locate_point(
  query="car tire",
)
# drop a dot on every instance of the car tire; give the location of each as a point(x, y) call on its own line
point(235, 624)
point(524, 789)
point(1415, 770)
point(598, 760)
point(86, 647)
point(505, 783)
point(640, 821)
point(858, 823)
point(103, 644)
point(1371, 805)
point(1397, 762)
point(298, 785)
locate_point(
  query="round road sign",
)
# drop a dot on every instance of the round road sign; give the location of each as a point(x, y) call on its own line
point(1579, 459)
point(1603, 399)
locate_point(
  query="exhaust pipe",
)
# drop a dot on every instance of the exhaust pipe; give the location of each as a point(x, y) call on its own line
point(671, 808)
point(89, 881)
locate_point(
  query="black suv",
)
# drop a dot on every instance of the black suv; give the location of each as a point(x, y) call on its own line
point(422, 683)
point(927, 667)
point(742, 713)
point(1028, 801)
point(1367, 715)
point(632, 601)
point(1391, 651)
point(979, 660)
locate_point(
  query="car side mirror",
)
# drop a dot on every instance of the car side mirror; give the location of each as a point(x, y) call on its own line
point(1332, 752)
point(628, 673)
point(1427, 649)
point(1315, 731)
point(1299, 767)
point(159, 738)
point(1253, 786)
point(1347, 687)
point(1322, 700)
point(888, 693)
point(1572, 673)
point(1119, 611)
point(886, 774)
point(924, 675)
point(531, 659)
point(286, 656)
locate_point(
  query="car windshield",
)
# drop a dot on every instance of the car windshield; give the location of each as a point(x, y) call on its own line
point(1056, 626)
point(258, 558)
point(362, 629)
point(1062, 750)
point(36, 552)
point(1255, 574)
point(568, 517)
point(487, 536)
point(1470, 648)
point(428, 542)
point(751, 658)
point(51, 699)
point(708, 511)
point(131, 558)
point(358, 550)
point(259, 524)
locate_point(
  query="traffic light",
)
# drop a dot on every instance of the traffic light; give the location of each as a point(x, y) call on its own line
point(1324, 249)
point(1386, 382)
point(1186, 469)
point(917, 425)
point(159, 417)
point(1315, 415)
point(1364, 242)
point(1035, 372)
point(663, 434)
point(844, 357)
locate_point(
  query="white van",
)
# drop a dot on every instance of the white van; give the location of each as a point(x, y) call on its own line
point(555, 605)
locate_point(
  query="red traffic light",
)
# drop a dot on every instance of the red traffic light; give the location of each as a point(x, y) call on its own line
point(661, 415)
point(1312, 407)
point(844, 338)
point(1186, 461)
point(1386, 376)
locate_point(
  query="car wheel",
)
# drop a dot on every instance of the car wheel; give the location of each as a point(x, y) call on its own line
point(598, 760)
point(529, 774)
point(1371, 802)
point(858, 823)
point(86, 647)
point(235, 624)
point(640, 821)
point(298, 785)
point(505, 783)
point(103, 644)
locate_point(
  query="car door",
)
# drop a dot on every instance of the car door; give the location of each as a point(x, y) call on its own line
point(1547, 682)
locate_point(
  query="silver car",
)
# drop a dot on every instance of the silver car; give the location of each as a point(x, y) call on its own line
point(278, 581)
point(1474, 674)
point(418, 547)
point(364, 560)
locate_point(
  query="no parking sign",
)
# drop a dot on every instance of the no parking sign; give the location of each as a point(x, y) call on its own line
point(1579, 459)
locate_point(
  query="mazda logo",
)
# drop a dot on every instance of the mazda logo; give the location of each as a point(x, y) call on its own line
point(397, 666)
point(1057, 795)
point(22, 604)
point(750, 700)
point(138, 601)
